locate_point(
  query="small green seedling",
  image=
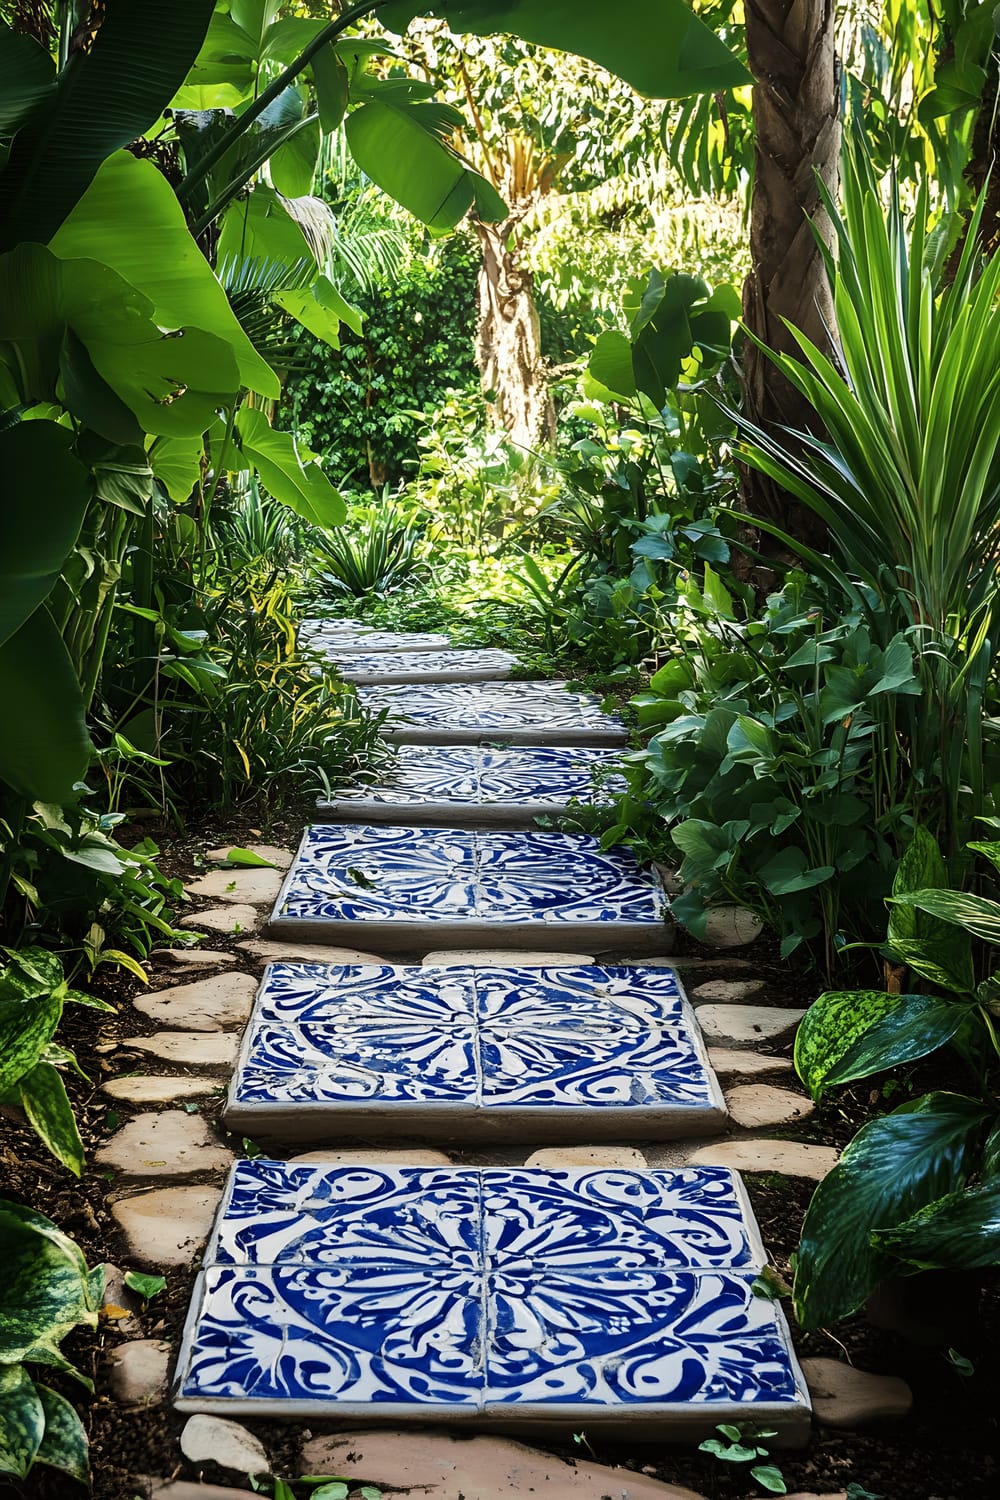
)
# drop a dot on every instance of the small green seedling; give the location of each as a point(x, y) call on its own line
point(770, 1285)
point(582, 1441)
point(249, 860)
point(333, 1488)
point(960, 1364)
point(146, 1287)
point(858, 1492)
point(742, 1445)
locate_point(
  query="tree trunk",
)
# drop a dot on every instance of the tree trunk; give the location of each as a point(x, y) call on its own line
point(508, 343)
point(795, 109)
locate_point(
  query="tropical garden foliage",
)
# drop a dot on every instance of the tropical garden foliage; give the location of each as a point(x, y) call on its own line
point(318, 313)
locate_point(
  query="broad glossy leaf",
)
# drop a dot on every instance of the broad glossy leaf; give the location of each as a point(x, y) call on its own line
point(293, 165)
point(22, 1421)
point(300, 485)
point(789, 871)
point(920, 868)
point(945, 961)
point(105, 98)
point(36, 459)
point(332, 88)
point(27, 1026)
point(892, 1168)
point(960, 1231)
point(45, 748)
point(973, 913)
point(43, 1293)
point(920, 1024)
point(27, 77)
point(830, 1028)
point(398, 146)
point(130, 220)
point(321, 309)
point(64, 1443)
point(47, 1106)
point(610, 364)
point(176, 462)
point(657, 46)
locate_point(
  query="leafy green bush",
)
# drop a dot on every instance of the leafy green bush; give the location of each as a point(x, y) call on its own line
point(919, 1187)
point(47, 1291)
point(378, 550)
point(356, 406)
point(772, 766)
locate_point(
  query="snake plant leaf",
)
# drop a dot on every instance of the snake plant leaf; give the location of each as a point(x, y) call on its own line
point(22, 1421)
point(107, 95)
point(960, 1231)
point(129, 219)
point(50, 1114)
point(658, 46)
point(36, 458)
point(830, 1028)
point(45, 748)
point(894, 1167)
point(64, 1443)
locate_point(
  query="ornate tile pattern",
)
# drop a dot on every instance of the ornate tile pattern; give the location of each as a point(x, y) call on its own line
point(529, 779)
point(362, 1291)
point(542, 713)
point(475, 1052)
point(453, 879)
point(337, 642)
point(372, 666)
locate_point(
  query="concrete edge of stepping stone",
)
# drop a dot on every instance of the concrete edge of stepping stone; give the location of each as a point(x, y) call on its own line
point(515, 817)
point(405, 936)
point(399, 732)
point(845, 1397)
point(504, 958)
point(443, 1465)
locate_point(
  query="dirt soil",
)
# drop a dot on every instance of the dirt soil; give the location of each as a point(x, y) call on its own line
point(947, 1450)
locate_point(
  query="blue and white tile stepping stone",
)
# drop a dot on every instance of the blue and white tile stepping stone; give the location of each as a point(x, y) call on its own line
point(472, 1054)
point(469, 785)
point(368, 668)
point(338, 643)
point(580, 1299)
point(443, 887)
point(516, 713)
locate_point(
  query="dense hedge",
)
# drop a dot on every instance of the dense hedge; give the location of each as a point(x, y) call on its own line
point(417, 343)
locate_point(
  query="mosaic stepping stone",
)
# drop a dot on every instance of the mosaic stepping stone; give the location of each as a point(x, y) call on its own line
point(578, 1053)
point(599, 1298)
point(519, 713)
point(369, 667)
point(346, 643)
point(468, 888)
point(466, 785)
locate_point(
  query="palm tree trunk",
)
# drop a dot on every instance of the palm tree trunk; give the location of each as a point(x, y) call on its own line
point(508, 343)
point(796, 116)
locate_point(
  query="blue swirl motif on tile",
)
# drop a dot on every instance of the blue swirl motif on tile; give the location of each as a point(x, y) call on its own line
point(557, 1068)
point(582, 1000)
point(640, 1336)
point(467, 775)
point(487, 705)
point(369, 1333)
point(589, 1221)
point(416, 666)
point(411, 995)
point(363, 873)
point(382, 1062)
point(278, 1212)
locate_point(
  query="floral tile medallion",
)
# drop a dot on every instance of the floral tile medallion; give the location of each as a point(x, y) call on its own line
point(333, 1291)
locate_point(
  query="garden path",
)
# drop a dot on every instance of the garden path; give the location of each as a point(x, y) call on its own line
point(581, 1286)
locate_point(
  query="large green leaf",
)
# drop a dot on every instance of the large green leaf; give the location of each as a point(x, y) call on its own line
point(400, 147)
point(27, 1025)
point(892, 1168)
point(44, 748)
point(130, 220)
point(171, 382)
point(46, 1104)
point(657, 46)
point(64, 1443)
point(27, 77)
point(973, 913)
point(44, 1293)
point(299, 484)
point(611, 364)
point(919, 1025)
point(22, 1421)
point(960, 1231)
point(831, 1026)
point(106, 97)
point(36, 460)
point(933, 948)
point(321, 309)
